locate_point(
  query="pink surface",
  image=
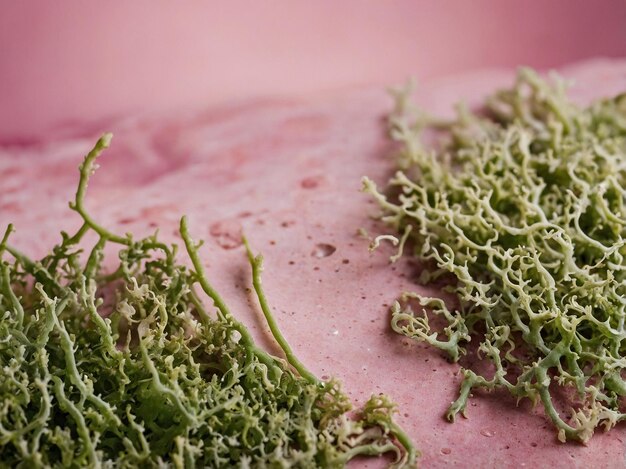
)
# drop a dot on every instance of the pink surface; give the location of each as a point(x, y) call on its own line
point(287, 173)
point(85, 61)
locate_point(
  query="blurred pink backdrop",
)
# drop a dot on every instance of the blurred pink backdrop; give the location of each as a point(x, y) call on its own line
point(80, 63)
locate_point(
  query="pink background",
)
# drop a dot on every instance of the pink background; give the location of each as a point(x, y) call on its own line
point(87, 62)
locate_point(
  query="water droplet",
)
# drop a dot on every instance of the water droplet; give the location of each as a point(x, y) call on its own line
point(446, 450)
point(323, 250)
point(487, 433)
point(335, 332)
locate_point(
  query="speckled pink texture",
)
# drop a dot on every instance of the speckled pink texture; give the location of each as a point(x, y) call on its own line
point(287, 174)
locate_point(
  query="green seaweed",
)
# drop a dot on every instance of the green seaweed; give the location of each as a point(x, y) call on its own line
point(132, 367)
point(520, 206)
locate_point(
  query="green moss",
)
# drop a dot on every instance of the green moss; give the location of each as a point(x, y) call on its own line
point(523, 204)
point(129, 368)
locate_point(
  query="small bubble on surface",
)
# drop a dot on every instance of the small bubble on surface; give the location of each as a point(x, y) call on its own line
point(322, 250)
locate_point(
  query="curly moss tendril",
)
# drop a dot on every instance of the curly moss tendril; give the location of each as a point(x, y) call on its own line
point(522, 205)
point(129, 368)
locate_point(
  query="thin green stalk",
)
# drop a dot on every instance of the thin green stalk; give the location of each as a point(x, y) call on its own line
point(257, 268)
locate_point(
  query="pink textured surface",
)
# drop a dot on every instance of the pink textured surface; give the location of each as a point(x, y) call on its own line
point(85, 61)
point(287, 173)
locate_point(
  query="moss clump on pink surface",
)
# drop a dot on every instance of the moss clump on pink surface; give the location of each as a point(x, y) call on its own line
point(129, 367)
point(521, 206)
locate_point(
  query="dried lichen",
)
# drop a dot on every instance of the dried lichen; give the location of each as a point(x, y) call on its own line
point(522, 206)
point(163, 380)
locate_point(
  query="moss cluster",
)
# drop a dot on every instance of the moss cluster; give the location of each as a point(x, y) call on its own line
point(129, 368)
point(520, 206)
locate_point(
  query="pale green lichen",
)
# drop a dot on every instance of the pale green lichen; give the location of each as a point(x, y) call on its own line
point(129, 368)
point(521, 206)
